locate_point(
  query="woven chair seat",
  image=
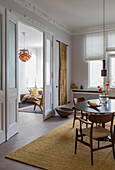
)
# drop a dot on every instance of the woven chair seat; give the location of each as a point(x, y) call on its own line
point(98, 132)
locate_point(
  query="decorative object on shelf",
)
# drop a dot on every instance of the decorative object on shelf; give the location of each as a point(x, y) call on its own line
point(73, 86)
point(24, 54)
point(81, 87)
point(103, 97)
point(104, 70)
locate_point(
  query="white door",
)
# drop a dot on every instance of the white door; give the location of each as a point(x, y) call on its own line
point(2, 75)
point(47, 76)
point(11, 75)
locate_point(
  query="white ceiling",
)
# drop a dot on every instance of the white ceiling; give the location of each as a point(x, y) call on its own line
point(78, 14)
point(33, 38)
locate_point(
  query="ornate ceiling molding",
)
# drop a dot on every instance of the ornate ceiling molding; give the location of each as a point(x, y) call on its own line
point(36, 10)
point(93, 29)
point(30, 6)
point(29, 21)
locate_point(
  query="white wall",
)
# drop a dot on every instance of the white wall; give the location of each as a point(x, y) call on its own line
point(59, 35)
point(79, 65)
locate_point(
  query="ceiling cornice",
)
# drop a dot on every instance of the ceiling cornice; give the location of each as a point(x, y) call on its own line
point(93, 29)
point(36, 10)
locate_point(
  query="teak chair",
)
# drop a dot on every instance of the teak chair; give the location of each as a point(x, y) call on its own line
point(75, 101)
point(39, 103)
point(96, 133)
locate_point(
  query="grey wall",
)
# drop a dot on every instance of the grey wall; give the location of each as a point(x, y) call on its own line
point(59, 35)
point(79, 65)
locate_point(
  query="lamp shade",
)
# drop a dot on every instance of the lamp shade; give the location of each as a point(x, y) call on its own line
point(104, 71)
point(24, 55)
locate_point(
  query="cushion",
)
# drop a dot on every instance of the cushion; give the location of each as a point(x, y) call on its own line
point(34, 91)
point(31, 99)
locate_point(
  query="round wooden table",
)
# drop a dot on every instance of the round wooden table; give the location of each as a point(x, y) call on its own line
point(108, 107)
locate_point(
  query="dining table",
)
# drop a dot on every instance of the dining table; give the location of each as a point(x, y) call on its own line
point(108, 107)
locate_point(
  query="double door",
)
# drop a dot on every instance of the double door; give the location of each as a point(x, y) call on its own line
point(8, 75)
point(9, 125)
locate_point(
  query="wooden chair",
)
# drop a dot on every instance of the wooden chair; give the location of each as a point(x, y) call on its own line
point(39, 103)
point(97, 132)
point(75, 101)
point(111, 97)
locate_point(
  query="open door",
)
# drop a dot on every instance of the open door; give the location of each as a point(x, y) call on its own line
point(47, 76)
point(11, 75)
point(2, 74)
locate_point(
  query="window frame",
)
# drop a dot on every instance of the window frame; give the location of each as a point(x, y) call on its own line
point(91, 87)
point(109, 68)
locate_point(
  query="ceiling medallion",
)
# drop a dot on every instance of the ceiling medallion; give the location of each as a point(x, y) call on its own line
point(24, 54)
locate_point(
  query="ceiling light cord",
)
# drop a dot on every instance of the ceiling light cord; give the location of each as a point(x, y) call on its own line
point(104, 43)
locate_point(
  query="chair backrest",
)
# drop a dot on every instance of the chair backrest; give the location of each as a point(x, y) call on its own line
point(111, 97)
point(103, 118)
point(77, 100)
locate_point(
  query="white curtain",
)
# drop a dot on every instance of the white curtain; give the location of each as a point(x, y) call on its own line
point(94, 46)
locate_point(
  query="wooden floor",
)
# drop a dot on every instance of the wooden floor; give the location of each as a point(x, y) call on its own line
point(31, 127)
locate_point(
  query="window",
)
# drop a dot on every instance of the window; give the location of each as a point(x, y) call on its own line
point(112, 71)
point(94, 46)
point(94, 74)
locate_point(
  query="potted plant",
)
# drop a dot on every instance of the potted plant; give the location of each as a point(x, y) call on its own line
point(104, 91)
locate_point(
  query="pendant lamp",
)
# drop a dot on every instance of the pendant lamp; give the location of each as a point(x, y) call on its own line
point(24, 54)
point(104, 70)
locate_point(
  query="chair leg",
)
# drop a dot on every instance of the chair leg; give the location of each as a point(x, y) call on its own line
point(91, 145)
point(34, 106)
point(113, 142)
point(86, 120)
point(81, 131)
point(74, 119)
point(98, 144)
point(76, 141)
point(40, 108)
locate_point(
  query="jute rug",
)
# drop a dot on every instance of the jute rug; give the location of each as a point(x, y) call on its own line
point(55, 151)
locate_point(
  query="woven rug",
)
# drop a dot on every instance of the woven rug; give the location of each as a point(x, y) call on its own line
point(30, 109)
point(55, 151)
point(24, 104)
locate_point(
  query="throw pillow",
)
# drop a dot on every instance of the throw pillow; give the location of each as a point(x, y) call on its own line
point(34, 91)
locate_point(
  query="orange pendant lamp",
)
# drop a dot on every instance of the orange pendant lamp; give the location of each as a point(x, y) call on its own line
point(24, 54)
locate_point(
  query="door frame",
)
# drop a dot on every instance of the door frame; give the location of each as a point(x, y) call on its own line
point(48, 89)
point(2, 91)
point(42, 28)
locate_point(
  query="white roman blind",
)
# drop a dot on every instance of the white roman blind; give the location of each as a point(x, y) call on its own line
point(94, 46)
point(111, 41)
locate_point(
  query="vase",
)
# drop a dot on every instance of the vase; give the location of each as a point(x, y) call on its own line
point(103, 98)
